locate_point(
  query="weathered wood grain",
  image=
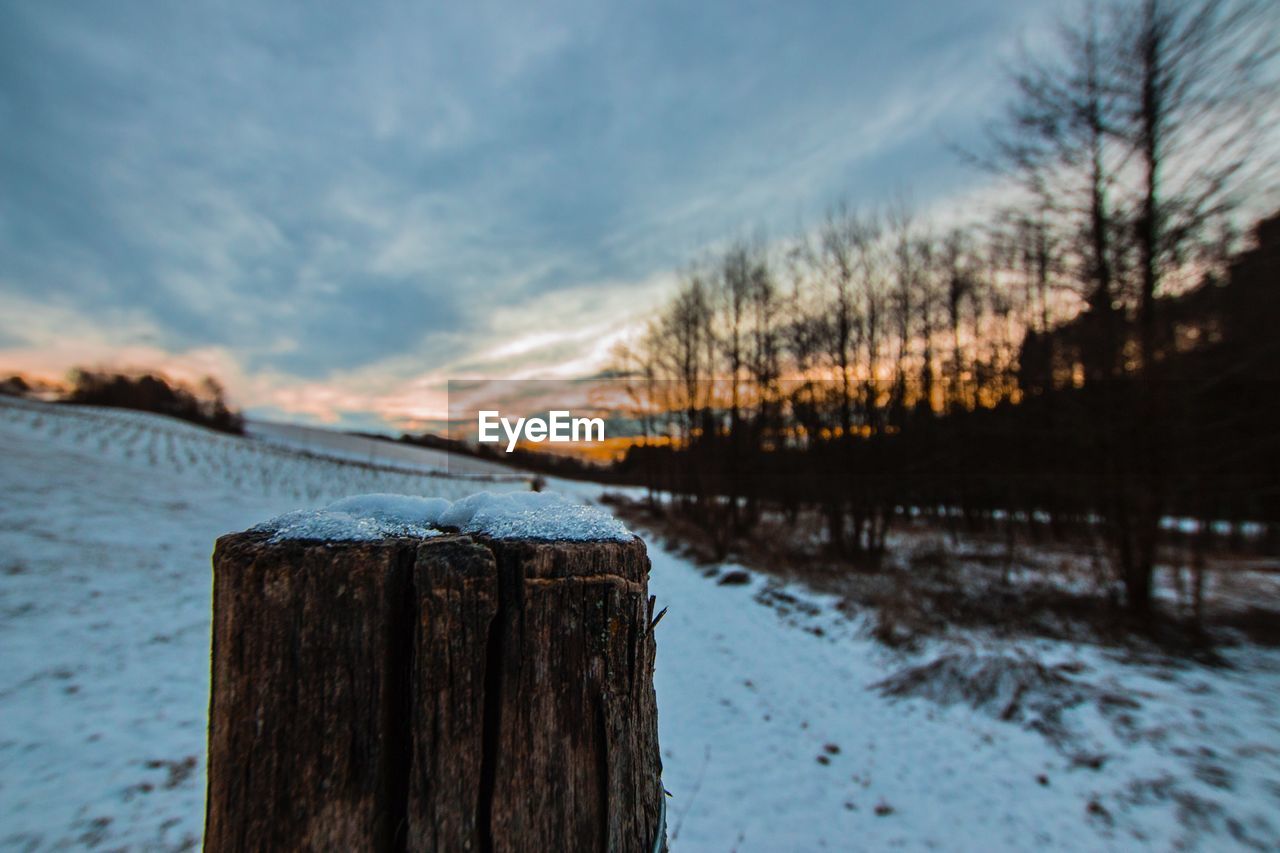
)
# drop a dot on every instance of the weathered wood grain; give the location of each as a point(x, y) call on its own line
point(453, 693)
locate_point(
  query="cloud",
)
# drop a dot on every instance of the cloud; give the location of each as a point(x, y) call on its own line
point(347, 202)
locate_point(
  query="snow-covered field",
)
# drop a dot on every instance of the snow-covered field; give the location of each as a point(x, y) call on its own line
point(772, 734)
point(356, 448)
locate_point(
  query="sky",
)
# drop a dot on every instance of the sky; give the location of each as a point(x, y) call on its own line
point(335, 208)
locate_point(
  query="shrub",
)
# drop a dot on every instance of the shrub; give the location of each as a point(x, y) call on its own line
point(151, 392)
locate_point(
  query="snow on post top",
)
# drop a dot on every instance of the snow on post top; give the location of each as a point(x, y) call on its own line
point(533, 515)
point(360, 518)
point(515, 515)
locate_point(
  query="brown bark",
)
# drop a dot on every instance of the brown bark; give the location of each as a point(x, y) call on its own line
point(453, 693)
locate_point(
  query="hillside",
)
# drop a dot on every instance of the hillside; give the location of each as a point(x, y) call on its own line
point(774, 732)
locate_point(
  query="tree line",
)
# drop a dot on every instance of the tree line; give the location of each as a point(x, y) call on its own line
point(204, 404)
point(1096, 355)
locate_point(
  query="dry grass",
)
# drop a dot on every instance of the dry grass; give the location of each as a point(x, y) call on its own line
point(928, 583)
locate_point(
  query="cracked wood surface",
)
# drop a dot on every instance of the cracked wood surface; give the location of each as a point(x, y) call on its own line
point(454, 693)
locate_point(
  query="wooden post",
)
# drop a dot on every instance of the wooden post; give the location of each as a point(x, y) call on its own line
point(450, 693)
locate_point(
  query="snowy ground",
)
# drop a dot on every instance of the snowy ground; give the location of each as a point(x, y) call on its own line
point(772, 734)
point(356, 448)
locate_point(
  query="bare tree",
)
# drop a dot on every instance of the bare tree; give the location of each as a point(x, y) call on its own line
point(1192, 91)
